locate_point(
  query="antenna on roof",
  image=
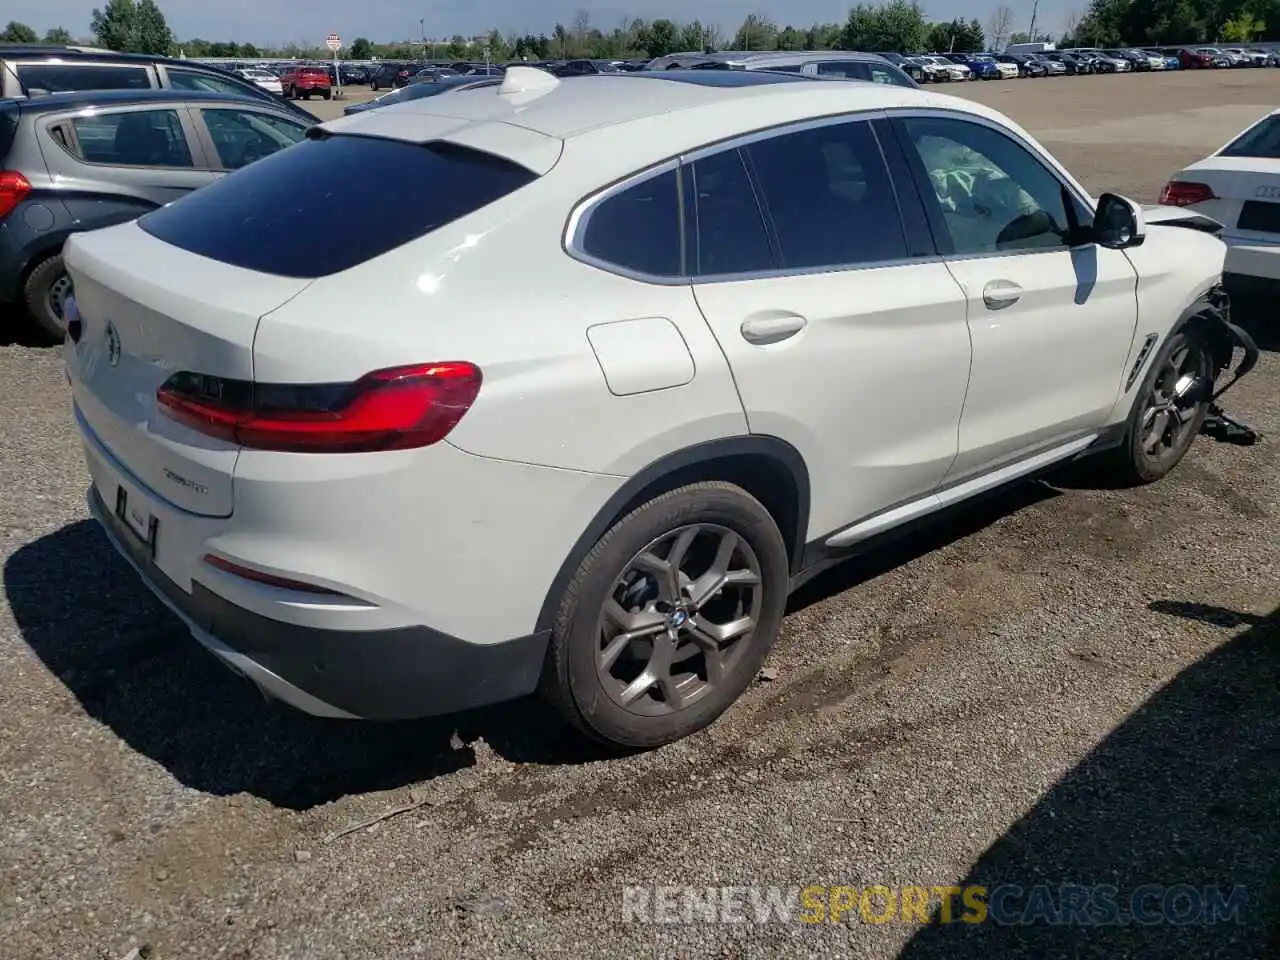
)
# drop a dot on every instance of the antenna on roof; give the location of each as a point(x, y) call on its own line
point(527, 80)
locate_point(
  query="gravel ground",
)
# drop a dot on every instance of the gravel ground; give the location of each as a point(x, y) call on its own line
point(1069, 685)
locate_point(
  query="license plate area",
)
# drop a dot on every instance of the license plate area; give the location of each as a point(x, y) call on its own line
point(1259, 216)
point(137, 521)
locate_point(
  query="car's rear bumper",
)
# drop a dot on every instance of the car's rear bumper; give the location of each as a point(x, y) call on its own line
point(380, 674)
point(1249, 258)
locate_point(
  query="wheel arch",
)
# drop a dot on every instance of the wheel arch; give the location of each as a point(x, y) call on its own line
point(768, 468)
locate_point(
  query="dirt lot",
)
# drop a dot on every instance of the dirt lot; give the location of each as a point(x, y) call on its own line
point(1072, 686)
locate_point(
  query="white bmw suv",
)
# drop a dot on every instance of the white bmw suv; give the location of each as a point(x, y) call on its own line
point(565, 384)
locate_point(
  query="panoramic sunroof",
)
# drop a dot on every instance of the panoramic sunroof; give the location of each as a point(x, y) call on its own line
point(719, 78)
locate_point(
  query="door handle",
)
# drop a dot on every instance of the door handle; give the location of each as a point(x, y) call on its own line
point(763, 331)
point(999, 294)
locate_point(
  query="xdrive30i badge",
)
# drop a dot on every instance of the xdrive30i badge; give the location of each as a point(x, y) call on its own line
point(182, 481)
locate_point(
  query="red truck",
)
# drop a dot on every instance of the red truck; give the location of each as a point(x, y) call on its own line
point(299, 83)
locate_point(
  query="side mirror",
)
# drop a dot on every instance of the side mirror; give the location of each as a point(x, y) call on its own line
point(1118, 223)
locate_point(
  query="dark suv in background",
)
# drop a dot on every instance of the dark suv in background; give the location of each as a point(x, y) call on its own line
point(393, 74)
point(65, 168)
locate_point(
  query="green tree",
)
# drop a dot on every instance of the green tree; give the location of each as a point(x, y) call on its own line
point(58, 35)
point(659, 38)
point(151, 30)
point(789, 38)
point(15, 32)
point(693, 36)
point(897, 25)
point(132, 27)
point(756, 33)
point(113, 25)
point(361, 49)
point(974, 39)
point(1242, 28)
point(822, 36)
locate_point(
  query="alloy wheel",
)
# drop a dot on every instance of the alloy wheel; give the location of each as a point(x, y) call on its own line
point(1167, 420)
point(678, 619)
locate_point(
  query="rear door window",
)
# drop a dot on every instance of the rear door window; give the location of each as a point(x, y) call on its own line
point(136, 138)
point(828, 193)
point(241, 136)
point(864, 70)
point(68, 77)
point(180, 79)
point(638, 228)
point(279, 215)
point(731, 236)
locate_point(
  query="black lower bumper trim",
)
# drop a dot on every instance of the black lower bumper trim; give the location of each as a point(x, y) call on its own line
point(376, 675)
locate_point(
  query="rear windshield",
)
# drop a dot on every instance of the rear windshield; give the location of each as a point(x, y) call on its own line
point(326, 205)
point(67, 77)
point(1261, 140)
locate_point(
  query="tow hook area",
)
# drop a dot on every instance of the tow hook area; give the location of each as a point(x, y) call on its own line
point(1223, 338)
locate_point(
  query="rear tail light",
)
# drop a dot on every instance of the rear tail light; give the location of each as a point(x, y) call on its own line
point(394, 409)
point(14, 188)
point(1183, 193)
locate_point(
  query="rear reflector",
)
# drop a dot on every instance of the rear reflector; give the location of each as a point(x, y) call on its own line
point(394, 409)
point(1183, 193)
point(14, 188)
point(268, 579)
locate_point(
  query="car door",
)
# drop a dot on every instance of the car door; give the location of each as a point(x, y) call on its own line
point(115, 164)
point(845, 337)
point(235, 136)
point(1051, 323)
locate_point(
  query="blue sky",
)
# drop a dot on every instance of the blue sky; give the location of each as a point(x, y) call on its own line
point(285, 21)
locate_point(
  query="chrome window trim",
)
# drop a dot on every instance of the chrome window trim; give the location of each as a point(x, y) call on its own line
point(1051, 165)
point(580, 216)
point(582, 210)
point(1046, 159)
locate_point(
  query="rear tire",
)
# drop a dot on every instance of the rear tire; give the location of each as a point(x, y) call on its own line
point(1156, 437)
point(328, 94)
point(45, 291)
point(669, 617)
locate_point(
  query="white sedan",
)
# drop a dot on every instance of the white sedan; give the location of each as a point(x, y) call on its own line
point(1008, 71)
point(1239, 186)
point(264, 79)
point(602, 373)
point(954, 71)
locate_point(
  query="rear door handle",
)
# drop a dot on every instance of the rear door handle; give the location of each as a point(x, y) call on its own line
point(763, 331)
point(999, 294)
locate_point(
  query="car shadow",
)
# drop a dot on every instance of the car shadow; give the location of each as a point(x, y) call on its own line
point(19, 330)
point(1184, 794)
point(133, 667)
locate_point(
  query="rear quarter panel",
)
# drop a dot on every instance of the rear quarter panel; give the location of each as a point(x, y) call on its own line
point(497, 289)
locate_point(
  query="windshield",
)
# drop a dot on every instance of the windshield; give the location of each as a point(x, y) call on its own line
point(1262, 140)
